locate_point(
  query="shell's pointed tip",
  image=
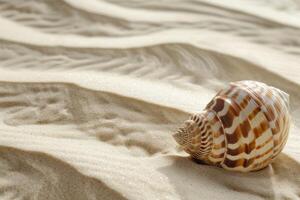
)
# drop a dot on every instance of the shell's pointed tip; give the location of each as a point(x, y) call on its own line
point(181, 136)
point(178, 136)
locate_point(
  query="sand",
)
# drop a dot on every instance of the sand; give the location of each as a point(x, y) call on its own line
point(92, 90)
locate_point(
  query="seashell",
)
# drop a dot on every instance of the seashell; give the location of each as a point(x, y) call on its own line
point(243, 128)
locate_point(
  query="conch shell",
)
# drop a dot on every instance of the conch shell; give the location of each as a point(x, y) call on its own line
point(243, 128)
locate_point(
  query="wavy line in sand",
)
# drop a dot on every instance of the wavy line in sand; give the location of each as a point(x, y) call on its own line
point(58, 17)
point(279, 16)
point(55, 16)
point(133, 88)
point(184, 66)
point(217, 42)
point(133, 14)
point(105, 8)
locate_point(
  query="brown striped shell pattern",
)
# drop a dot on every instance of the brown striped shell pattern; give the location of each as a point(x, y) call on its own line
point(243, 128)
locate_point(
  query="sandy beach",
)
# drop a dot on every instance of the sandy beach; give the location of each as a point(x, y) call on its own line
point(91, 92)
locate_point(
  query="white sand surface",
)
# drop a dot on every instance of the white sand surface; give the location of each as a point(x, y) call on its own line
point(92, 90)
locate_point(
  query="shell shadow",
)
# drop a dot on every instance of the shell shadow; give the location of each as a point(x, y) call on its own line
point(34, 175)
point(277, 181)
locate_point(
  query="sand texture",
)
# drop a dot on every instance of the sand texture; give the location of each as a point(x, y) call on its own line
point(92, 90)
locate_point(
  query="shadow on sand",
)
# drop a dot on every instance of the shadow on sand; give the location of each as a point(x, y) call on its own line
point(281, 180)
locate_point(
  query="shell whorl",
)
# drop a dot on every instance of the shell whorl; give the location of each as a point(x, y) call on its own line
point(195, 136)
point(243, 128)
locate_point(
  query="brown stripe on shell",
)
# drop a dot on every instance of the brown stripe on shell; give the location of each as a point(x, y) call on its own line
point(263, 144)
point(248, 162)
point(219, 159)
point(256, 97)
point(271, 112)
point(245, 101)
point(237, 151)
point(259, 130)
point(235, 95)
point(254, 113)
point(280, 108)
point(234, 137)
point(218, 133)
point(227, 119)
point(282, 142)
point(266, 161)
point(243, 129)
point(249, 148)
point(216, 147)
point(217, 156)
point(233, 163)
point(219, 146)
point(219, 104)
point(233, 111)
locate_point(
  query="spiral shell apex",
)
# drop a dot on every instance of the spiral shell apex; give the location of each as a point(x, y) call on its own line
point(243, 128)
